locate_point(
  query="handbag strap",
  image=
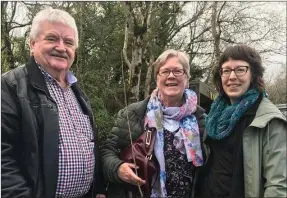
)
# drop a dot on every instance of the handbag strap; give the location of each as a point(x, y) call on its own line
point(150, 140)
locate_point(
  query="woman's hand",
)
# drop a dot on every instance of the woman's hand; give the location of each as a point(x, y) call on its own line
point(126, 174)
point(100, 196)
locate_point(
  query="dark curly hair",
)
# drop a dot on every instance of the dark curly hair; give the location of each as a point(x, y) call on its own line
point(245, 53)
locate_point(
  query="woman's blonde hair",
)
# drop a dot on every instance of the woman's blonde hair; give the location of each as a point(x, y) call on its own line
point(182, 57)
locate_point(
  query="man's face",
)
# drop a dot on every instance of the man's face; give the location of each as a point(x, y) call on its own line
point(54, 46)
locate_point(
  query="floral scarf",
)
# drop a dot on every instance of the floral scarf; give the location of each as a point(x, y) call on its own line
point(186, 140)
point(223, 117)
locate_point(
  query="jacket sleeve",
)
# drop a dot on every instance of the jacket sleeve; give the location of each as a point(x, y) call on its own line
point(110, 151)
point(13, 183)
point(274, 159)
point(118, 140)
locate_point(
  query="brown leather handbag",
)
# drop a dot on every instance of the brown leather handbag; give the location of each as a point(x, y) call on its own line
point(143, 151)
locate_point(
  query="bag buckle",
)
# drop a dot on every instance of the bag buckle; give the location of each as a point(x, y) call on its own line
point(148, 137)
point(149, 157)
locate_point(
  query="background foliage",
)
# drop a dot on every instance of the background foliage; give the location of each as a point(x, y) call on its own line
point(130, 35)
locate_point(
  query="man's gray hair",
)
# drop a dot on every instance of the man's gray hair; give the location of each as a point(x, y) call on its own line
point(53, 15)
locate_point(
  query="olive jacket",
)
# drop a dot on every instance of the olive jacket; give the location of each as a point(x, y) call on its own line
point(264, 153)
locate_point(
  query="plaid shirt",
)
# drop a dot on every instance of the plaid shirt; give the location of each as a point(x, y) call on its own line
point(76, 145)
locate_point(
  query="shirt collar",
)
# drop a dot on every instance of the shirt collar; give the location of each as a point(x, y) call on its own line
point(70, 77)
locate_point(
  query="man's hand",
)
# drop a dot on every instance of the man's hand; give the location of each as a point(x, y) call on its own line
point(126, 174)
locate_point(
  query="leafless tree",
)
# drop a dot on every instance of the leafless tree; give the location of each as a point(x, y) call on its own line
point(276, 88)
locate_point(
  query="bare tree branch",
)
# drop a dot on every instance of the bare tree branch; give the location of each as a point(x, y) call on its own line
point(20, 25)
point(218, 16)
point(188, 22)
point(14, 4)
point(125, 46)
point(228, 40)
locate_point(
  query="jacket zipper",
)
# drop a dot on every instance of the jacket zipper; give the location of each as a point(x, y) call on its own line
point(49, 106)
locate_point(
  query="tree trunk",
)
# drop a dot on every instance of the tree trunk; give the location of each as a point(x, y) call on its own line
point(137, 25)
point(80, 61)
point(215, 33)
point(5, 26)
point(215, 30)
point(148, 76)
point(8, 50)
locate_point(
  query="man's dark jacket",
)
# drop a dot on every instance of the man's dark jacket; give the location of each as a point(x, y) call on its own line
point(30, 135)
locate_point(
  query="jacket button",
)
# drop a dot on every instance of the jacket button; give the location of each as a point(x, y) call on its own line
point(33, 155)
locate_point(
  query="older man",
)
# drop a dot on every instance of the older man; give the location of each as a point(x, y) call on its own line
point(49, 146)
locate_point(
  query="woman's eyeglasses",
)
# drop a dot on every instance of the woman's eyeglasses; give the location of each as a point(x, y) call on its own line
point(239, 71)
point(175, 72)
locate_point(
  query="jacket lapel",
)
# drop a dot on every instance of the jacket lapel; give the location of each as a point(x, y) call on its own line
point(85, 105)
point(50, 148)
point(87, 109)
point(49, 129)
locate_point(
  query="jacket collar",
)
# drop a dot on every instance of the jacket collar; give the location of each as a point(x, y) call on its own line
point(139, 108)
point(266, 112)
point(37, 79)
point(35, 75)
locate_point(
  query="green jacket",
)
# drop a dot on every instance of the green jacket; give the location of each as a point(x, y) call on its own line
point(119, 139)
point(264, 153)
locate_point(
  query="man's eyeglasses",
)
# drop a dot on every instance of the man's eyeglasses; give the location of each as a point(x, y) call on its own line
point(175, 72)
point(239, 71)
